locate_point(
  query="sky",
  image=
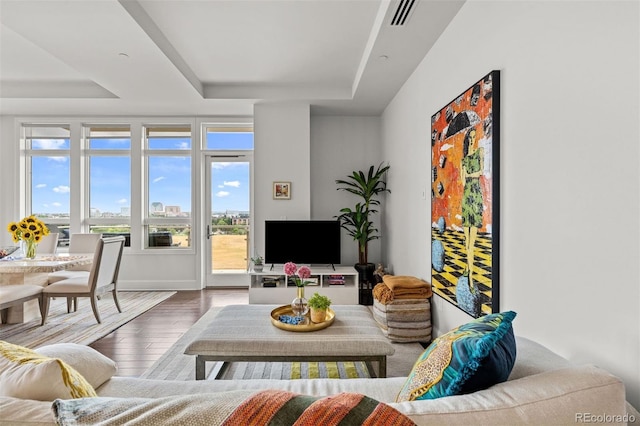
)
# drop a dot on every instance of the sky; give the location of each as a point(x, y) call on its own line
point(169, 177)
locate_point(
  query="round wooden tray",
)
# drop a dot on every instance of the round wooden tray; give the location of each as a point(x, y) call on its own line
point(307, 325)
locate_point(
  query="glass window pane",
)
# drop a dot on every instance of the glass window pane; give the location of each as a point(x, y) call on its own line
point(62, 230)
point(47, 137)
point(169, 186)
point(110, 143)
point(110, 186)
point(175, 236)
point(50, 186)
point(176, 137)
point(114, 231)
point(229, 138)
point(108, 137)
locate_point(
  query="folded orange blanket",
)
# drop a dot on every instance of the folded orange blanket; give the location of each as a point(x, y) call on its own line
point(384, 294)
point(394, 281)
point(411, 293)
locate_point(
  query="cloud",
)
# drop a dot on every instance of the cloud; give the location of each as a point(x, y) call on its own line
point(49, 144)
point(59, 159)
point(41, 185)
point(220, 165)
point(158, 179)
point(222, 194)
point(122, 201)
point(184, 145)
point(62, 189)
point(56, 204)
point(234, 183)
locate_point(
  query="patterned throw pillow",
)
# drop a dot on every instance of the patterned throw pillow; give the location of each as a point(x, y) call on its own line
point(26, 374)
point(469, 358)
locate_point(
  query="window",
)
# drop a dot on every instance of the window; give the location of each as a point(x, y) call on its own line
point(229, 137)
point(168, 181)
point(111, 177)
point(47, 149)
point(109, 170)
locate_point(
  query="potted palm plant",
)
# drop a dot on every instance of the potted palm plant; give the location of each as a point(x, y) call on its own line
point(318, 305)
point(357, 221)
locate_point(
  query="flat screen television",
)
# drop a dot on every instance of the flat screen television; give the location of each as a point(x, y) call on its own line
point(302, 241)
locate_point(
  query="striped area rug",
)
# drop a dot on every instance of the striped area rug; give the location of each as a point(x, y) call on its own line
point(291, 370)
point(81, 327)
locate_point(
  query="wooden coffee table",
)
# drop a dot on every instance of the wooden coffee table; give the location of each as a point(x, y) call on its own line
point(245, 333)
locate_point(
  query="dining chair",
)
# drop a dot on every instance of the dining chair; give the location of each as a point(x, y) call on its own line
point(102, 279)
point(48, 244)
point(78, 243)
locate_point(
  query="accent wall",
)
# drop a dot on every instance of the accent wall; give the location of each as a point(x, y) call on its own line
point(570, 170)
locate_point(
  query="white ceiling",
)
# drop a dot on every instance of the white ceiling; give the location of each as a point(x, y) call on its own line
point(209, 57)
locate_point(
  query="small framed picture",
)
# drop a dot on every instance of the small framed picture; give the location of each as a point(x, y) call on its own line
point(281, 190)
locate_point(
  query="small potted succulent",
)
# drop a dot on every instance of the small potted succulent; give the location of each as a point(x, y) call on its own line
point(258, 263)
point(318, 305)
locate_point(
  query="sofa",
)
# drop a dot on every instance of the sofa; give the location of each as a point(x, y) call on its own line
point(542, 388)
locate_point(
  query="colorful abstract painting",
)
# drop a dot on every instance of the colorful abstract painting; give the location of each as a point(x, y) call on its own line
point(464, 198)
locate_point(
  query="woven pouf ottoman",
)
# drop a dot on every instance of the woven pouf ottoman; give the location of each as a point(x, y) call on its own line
point(404, 320)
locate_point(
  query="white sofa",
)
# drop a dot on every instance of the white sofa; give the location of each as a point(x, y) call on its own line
point(543, 388)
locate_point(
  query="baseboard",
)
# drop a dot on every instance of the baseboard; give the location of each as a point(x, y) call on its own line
point(155, 285)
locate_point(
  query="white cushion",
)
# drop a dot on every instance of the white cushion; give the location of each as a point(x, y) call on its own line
point(27, 374)
point(9, 293)
point(16, 411)
point(70, 285)
point(66, 274)
point(93, 366)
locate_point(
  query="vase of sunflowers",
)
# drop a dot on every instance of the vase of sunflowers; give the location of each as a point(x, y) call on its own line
point(29, 231)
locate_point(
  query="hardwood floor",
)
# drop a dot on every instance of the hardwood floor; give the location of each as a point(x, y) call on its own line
point(138, 344)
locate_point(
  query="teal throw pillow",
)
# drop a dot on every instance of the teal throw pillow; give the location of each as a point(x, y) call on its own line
point(469, 358)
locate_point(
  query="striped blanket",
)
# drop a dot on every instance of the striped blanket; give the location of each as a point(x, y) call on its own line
point(250, 408)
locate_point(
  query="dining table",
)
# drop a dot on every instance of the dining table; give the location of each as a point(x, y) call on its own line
point(19, 271)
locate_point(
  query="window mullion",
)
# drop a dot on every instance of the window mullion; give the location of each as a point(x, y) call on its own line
point(77, 176)
point(137, 193)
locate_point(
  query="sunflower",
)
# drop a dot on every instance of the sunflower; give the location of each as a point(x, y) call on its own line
point(29, 228)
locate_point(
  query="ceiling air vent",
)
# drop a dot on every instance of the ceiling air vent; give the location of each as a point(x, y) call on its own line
point(402, 12)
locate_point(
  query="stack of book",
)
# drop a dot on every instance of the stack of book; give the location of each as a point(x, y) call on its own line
point(270, 280)
point(335, 279)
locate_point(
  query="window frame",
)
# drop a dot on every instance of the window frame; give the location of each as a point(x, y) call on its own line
point(149, 221)
point(27, 155)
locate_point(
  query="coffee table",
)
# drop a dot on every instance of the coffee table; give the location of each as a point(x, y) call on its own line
point(245, 333)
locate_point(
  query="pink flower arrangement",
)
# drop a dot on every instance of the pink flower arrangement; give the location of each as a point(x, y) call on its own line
point(299, 275)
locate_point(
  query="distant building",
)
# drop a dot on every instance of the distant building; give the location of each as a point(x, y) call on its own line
point(172, 211)
point(157, 207)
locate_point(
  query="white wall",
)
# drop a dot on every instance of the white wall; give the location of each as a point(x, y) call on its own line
point(311, 153)
point(9, 170)
point(570, 170)
point(281, 153)
point(339, 146)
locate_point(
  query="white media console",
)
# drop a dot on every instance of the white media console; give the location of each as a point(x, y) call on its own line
point(270, 286)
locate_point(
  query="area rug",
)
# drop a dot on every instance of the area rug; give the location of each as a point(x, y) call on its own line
point(175, 365)
point(287, 370)
point(81, 327)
